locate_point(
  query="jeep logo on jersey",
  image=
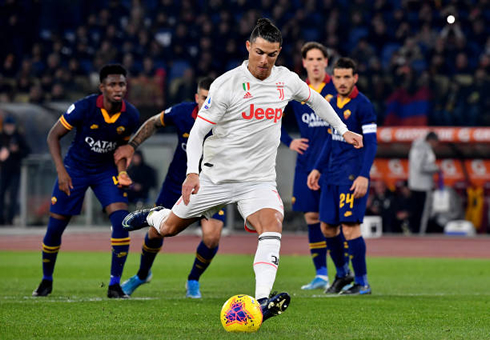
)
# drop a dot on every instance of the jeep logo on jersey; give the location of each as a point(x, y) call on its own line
point(260, 113)
point(100, 146)
point(312, 120)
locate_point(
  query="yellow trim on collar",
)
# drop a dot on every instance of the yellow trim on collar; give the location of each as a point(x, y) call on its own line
point(320, 87)
point(108, 119)
point(341, 103)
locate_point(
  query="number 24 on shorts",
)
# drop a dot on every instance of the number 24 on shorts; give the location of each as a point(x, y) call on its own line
point(347, 199)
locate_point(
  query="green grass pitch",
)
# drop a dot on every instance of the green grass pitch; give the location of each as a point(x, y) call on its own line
point(412, 299)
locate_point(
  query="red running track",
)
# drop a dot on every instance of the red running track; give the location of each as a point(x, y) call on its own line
point(245, 243)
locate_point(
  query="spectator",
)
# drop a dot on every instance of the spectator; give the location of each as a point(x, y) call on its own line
point(412, 34)
point(13, 148)
point(409, 103)
point(144, 179)
point(401, 208)
point(380, 203)
point(422, 167)
point(36, 95)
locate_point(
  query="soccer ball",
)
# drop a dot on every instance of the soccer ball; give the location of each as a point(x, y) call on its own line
point(241, 313)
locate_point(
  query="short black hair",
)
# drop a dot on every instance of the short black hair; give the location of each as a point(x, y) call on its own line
point(346, 63)
point(204, 83)
point(313, 45)
point(266, 30)
point(111, 69)
point(431, 135)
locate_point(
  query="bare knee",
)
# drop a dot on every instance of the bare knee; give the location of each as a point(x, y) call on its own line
point(211, 232)
point(211, 241)
point(330, 230)
point(153, 234)
point(115, 207)
point(312, 218)
point(167, 230)
point(60, 217)
point(266, 220)
point(173, 225)
point(351, 230)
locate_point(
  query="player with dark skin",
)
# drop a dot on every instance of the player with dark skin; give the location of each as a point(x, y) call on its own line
point(113, 89)
point(102, 122)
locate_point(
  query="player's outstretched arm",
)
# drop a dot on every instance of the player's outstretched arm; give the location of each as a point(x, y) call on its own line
point(324, 110)
point(353, 138)
point(54, 136)
point(144, 132)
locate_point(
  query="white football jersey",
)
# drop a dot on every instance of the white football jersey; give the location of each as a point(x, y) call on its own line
point(246, 115)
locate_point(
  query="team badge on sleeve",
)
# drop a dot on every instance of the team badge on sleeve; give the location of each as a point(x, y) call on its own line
point(207, 104)
point(70, 109)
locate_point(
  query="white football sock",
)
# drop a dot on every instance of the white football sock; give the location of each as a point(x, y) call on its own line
point(156, 218)
point(266, 262)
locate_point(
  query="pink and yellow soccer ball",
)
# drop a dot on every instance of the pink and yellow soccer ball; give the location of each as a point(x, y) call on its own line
point(241, 313)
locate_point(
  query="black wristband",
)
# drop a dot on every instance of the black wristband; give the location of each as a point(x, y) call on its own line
point(133, 144)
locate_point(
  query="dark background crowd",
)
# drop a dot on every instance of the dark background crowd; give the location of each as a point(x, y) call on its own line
point(416, 67)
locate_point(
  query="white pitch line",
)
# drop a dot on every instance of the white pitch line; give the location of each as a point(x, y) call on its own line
point(30, 299)
point(401, 295)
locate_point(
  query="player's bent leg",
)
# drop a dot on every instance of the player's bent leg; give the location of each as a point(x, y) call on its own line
point(357, 253)
point(162, 220)
point(169, 225)
point(207, 249)
point(138, 219)
point(50, 248)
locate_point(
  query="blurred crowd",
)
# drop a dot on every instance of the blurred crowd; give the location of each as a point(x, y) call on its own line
point(415, 66)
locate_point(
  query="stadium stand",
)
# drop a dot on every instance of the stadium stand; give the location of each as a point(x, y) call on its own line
point(417, 68)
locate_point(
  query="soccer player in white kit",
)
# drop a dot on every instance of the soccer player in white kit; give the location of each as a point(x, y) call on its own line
point(244, 110)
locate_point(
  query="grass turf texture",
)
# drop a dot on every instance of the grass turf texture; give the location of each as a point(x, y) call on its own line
point(412, 299)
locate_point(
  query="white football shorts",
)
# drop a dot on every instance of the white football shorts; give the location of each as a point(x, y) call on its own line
point(250, 197)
